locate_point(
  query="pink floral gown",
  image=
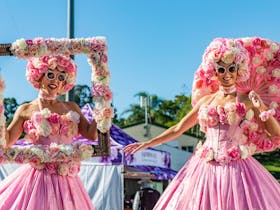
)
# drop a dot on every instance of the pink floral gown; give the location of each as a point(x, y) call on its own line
point(48, 186)
point(222, 174)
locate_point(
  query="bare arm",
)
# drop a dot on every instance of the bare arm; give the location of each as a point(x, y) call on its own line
point(15, 128)
point(86, 129)
point(186, 123)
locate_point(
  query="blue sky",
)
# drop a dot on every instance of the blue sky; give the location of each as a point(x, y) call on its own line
point(153, 45)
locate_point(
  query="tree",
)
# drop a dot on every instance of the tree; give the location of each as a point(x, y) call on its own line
point(82, 95)
point(11, 106)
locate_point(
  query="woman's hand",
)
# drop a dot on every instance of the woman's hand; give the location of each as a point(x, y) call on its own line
point(135, 147)
point(257, 101)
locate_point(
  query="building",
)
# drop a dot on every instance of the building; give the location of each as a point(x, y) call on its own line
point(180, 148)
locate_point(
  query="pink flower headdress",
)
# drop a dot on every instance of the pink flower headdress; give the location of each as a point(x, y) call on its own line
point(37, 67)
point(220, 49)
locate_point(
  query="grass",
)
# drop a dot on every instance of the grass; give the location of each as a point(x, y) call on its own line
point(271, 161)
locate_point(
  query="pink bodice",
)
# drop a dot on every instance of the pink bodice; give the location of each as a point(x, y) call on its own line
point(223, 132)
point(45, 127)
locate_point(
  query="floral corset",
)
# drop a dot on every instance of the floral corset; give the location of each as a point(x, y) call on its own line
point(44, 124)
point(211, 116)
point(223, 133)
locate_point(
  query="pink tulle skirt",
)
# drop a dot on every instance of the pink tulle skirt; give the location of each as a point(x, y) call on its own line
point(31, 189)
point(240, 185)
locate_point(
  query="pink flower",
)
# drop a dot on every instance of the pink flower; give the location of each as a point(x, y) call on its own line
point(212, 112)
point(253, 136)
point(28, 125)
point(51, 167)
point(268, 145)
point(37, 118)
point(54, 118)
point(234, 153)
point(241, 109)
point(35, 160)
point(101, 90)
point(74, 169)
point(108, 112)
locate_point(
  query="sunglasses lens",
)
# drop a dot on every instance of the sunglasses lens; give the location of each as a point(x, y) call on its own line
point(221, 70)
point(232, 69)
point(50, 75)
point(61, 77)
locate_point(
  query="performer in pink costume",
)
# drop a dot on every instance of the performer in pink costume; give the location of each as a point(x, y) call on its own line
point(222, 174)
point(48, 121)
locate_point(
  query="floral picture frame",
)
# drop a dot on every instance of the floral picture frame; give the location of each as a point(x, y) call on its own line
point(96, 50)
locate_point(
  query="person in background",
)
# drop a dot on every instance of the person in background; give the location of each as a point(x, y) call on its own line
point(146, 197)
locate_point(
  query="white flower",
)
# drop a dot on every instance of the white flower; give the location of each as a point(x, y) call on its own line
point(209, 155)
point(46, 112)
point(269, 55)
point(252, 148)
point(274, 47)
point(273, 105)
point(21, 44)
point(276, 72)
point(244, 151)
point(256, 60)
point(261, 70)
point(73, 116)
point(272, 89)
point(249, 114)
point(53, 145)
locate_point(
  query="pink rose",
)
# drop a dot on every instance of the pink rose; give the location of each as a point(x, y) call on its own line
point(241, 109)
point(51, 167)
point(35, 160)
point(74, 169)
point(108, 112)
point(54, 118)
point(213, 121)
point(212, 112)
point(28, 125)
point(37, 118)
point(253, 136)
point(268, 145)
point(234, 153)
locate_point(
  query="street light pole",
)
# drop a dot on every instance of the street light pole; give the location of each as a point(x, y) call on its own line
point(70, 29)
point(145, 103)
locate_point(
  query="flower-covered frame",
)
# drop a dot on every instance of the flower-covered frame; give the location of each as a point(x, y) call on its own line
point(96, 50)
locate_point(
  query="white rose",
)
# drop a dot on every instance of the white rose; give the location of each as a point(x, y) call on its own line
point(228, 58)
point(276, 72)
point(246, 41)
point(274, 47)
point(46, 112)
point(273, 105)
point(249, 114)
point(252, 149)
point(272, 89)
point(261, 70)
point(269, 55)
point(256, 60)
point(244, 151)
point(21, 44)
